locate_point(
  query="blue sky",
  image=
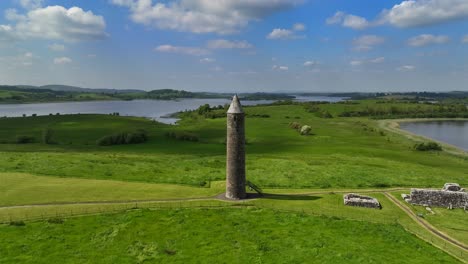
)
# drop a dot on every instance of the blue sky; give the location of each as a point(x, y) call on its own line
point(237, 45)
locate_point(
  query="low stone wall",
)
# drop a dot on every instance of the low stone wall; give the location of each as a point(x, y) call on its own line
point(441, 198)
point(353, 199)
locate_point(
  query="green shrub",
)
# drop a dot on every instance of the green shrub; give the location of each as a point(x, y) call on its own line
point(305, 130)
point(215, 114)
point(324, 114)
point(183, 136)
point(295, 125)
point(25, 139)
point(17, 223)
point(123, 138)
point(428, 146)
point(381, 185)
point(56, 220)
point(202, 110)
point(258, 115)
point(47, 135)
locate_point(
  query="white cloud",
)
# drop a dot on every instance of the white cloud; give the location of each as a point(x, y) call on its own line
point(350, 21)
point(7, 34)
point(62, 60)
point(367, 42)
point(182, 50)
point(217, 69)
point(409, 13)
point(280, 68)
point(427, 39)
point(364, 62)
point(299, 27)
point(247, 72)
point(356, 63)
point(203, 16)
point(26, 59)
point(56, 47)
point(413, 13)
point(126, 3)
point(12, 15)
point(207, 60)
point(31, 4)
point(57, 22)
point(355, 22)
point(23, 60)
point(465, 39)
point(227, 44)
point(378, 60)
point(311, 63)
point(406, 68)
point(280, 33)
point(337, 18)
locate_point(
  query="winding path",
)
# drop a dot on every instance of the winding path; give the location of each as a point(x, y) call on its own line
point(394, 200)
point(424, 223)
point(215, 197)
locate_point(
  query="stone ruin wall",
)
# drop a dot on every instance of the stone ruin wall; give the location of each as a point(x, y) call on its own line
point(441, 198)
point(353, 199)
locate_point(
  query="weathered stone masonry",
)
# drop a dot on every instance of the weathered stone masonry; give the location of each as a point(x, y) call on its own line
point(452, 196)
point(235, 144)
point(353, 199)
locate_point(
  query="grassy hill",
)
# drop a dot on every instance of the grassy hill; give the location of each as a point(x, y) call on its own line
point(342, 152)
point(301, 219)
point(214, 236)
point(63, 93)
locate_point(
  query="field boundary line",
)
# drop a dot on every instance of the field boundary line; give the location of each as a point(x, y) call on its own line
point(426, 225)
point(215, 197)
point(110, 202)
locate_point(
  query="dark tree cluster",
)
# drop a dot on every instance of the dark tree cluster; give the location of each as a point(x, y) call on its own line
point(433, 111)
point(25, 139)
point(212, 112)
point(429, 146)
point(183, 136)
point(124, 138)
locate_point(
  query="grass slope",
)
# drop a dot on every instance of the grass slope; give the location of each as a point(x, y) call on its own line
point(452, 222)
point(342, 153)
point(21, 189)
point(213, 236)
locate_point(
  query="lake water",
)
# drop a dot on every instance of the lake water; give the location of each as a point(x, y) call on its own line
point(154, 109)
point(451, 132)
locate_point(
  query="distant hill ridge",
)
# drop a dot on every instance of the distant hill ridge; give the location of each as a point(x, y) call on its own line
point(68, 88)
point(51, 93)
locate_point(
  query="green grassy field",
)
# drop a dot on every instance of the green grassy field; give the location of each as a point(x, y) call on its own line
point(303, 177)
point(452, 222)
point(213, 236)
point(342, 153)
point(25, 189)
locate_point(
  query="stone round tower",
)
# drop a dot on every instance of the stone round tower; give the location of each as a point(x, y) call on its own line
point(235, 143)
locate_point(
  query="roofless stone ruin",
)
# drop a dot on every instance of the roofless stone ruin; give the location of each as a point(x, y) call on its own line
point(352, 199)
point(451, 196)
point(235, 150)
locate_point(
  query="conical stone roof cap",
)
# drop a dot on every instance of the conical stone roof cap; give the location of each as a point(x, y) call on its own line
point(236, 107)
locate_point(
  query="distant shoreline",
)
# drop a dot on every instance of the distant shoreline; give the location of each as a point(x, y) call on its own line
point(393, 125)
